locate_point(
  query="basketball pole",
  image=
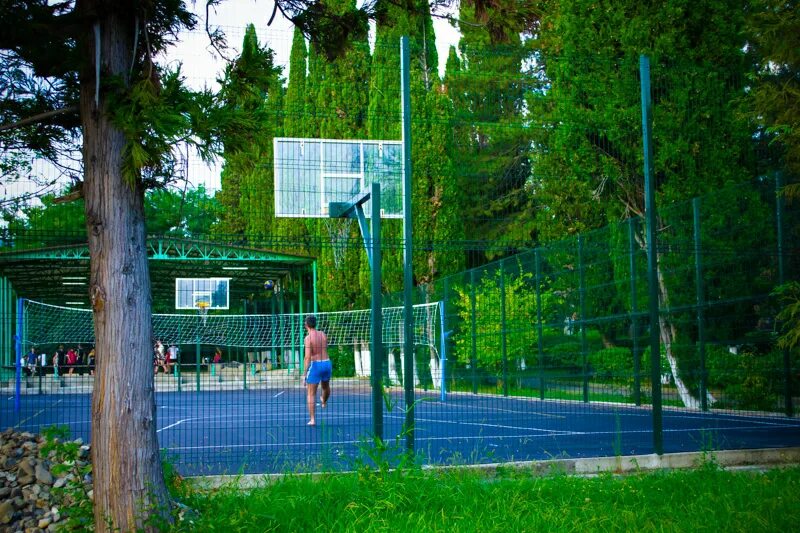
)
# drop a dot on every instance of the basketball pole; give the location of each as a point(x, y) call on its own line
point(372, 246)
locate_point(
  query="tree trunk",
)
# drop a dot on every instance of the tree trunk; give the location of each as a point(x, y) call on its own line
point(668, 333)
point(128, 481)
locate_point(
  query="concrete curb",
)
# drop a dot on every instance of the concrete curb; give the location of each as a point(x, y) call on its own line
point(728, 459)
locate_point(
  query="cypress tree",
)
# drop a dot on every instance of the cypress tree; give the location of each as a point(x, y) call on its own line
point(491, 141)
point(337, 97)
point(251, 84)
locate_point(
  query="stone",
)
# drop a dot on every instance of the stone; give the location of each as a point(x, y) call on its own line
point(25, 467)
point(6, 512)
point(5, 491)
point(43, 523)
point(26, 479)
point(60, 482)
point(43, 475)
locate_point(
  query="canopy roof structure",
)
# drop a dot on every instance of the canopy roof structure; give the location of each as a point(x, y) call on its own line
point(60, 274)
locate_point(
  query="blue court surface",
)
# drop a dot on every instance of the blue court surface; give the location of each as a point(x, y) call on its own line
point(264, 431)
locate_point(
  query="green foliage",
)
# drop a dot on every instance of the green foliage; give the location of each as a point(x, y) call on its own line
point(613, 364)
point(251, 87)
point(789, 297)
point(73, 496)
point(774, 101)
point(181, 214)
point(343, 361)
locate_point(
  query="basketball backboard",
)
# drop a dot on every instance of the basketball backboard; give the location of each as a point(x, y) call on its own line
point(212, 293)
point(310, 174)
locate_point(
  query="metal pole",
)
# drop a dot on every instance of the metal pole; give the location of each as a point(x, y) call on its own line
point(408, 266)
point(443, 353)
point(539, 327)
point(377, 316)
point(4, 312)
point(787, 361)
point(652, 259)
point(18, 338)
point(637, 357)
point(503, 344)
point(314, 284)
point(473, 325)
point(197, 358)
point(701, 303)
point(582, 303)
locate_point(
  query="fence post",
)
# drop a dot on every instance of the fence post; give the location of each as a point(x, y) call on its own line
point(637, 356)
point(652, 258)
point(539, 329)
point(701, 303)
point(408, 242)
point(473, 325)
point(787, 361)
point(376, 333)
point(18, 352)
point(503, 345)
point(443, 347)
point(582, 303)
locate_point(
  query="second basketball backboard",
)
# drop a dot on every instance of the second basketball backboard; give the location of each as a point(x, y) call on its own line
point(310, 174)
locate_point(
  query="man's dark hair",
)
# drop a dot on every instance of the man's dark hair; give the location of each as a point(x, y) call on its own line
point(311, 321)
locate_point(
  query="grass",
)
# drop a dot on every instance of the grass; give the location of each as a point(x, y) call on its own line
point(705, 499)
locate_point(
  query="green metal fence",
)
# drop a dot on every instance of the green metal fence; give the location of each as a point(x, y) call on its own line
point(531, 229)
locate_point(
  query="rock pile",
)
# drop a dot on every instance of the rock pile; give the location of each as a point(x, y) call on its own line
point(30, 499)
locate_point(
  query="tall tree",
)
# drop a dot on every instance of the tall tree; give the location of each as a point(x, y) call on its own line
point(492, 142)
point(589, 117)
point(337, 96)
point(773, 35)
point(251, 86)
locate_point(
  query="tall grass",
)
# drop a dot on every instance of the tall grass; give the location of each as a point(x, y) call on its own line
point(706, 499)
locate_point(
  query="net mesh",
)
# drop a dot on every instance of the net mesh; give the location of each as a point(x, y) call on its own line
point(51, 324)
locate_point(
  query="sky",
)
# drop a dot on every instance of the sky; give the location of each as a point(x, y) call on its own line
point(201, 65)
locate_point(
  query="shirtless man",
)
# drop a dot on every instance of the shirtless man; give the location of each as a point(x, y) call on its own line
point(316, 366)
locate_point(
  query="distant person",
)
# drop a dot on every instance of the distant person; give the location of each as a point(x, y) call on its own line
point(91, 359)
point(59, 359)
point(317, 367)
point(81, 364)
point(30, 363)
point(42, 362)
point(172, 357)
point(72, 360)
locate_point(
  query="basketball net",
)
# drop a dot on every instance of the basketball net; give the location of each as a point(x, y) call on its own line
point(202, 310)
point(339, 234)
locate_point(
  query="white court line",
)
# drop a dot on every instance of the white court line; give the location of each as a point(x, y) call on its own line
point(34, 415)
point(281, 392)
point(173, 425)
point(498, 426)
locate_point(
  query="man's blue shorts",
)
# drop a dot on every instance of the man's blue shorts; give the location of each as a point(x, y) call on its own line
point(319, 371)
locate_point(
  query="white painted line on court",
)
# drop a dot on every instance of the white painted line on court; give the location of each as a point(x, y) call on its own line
point(173, 425)
point(482, 424)
point(281, 392)
point(40, 411)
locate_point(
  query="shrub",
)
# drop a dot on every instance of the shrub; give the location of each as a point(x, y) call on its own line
point(343, 361)
point(614, 364)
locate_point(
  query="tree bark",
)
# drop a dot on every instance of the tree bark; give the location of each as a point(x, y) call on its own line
point(129, 487)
